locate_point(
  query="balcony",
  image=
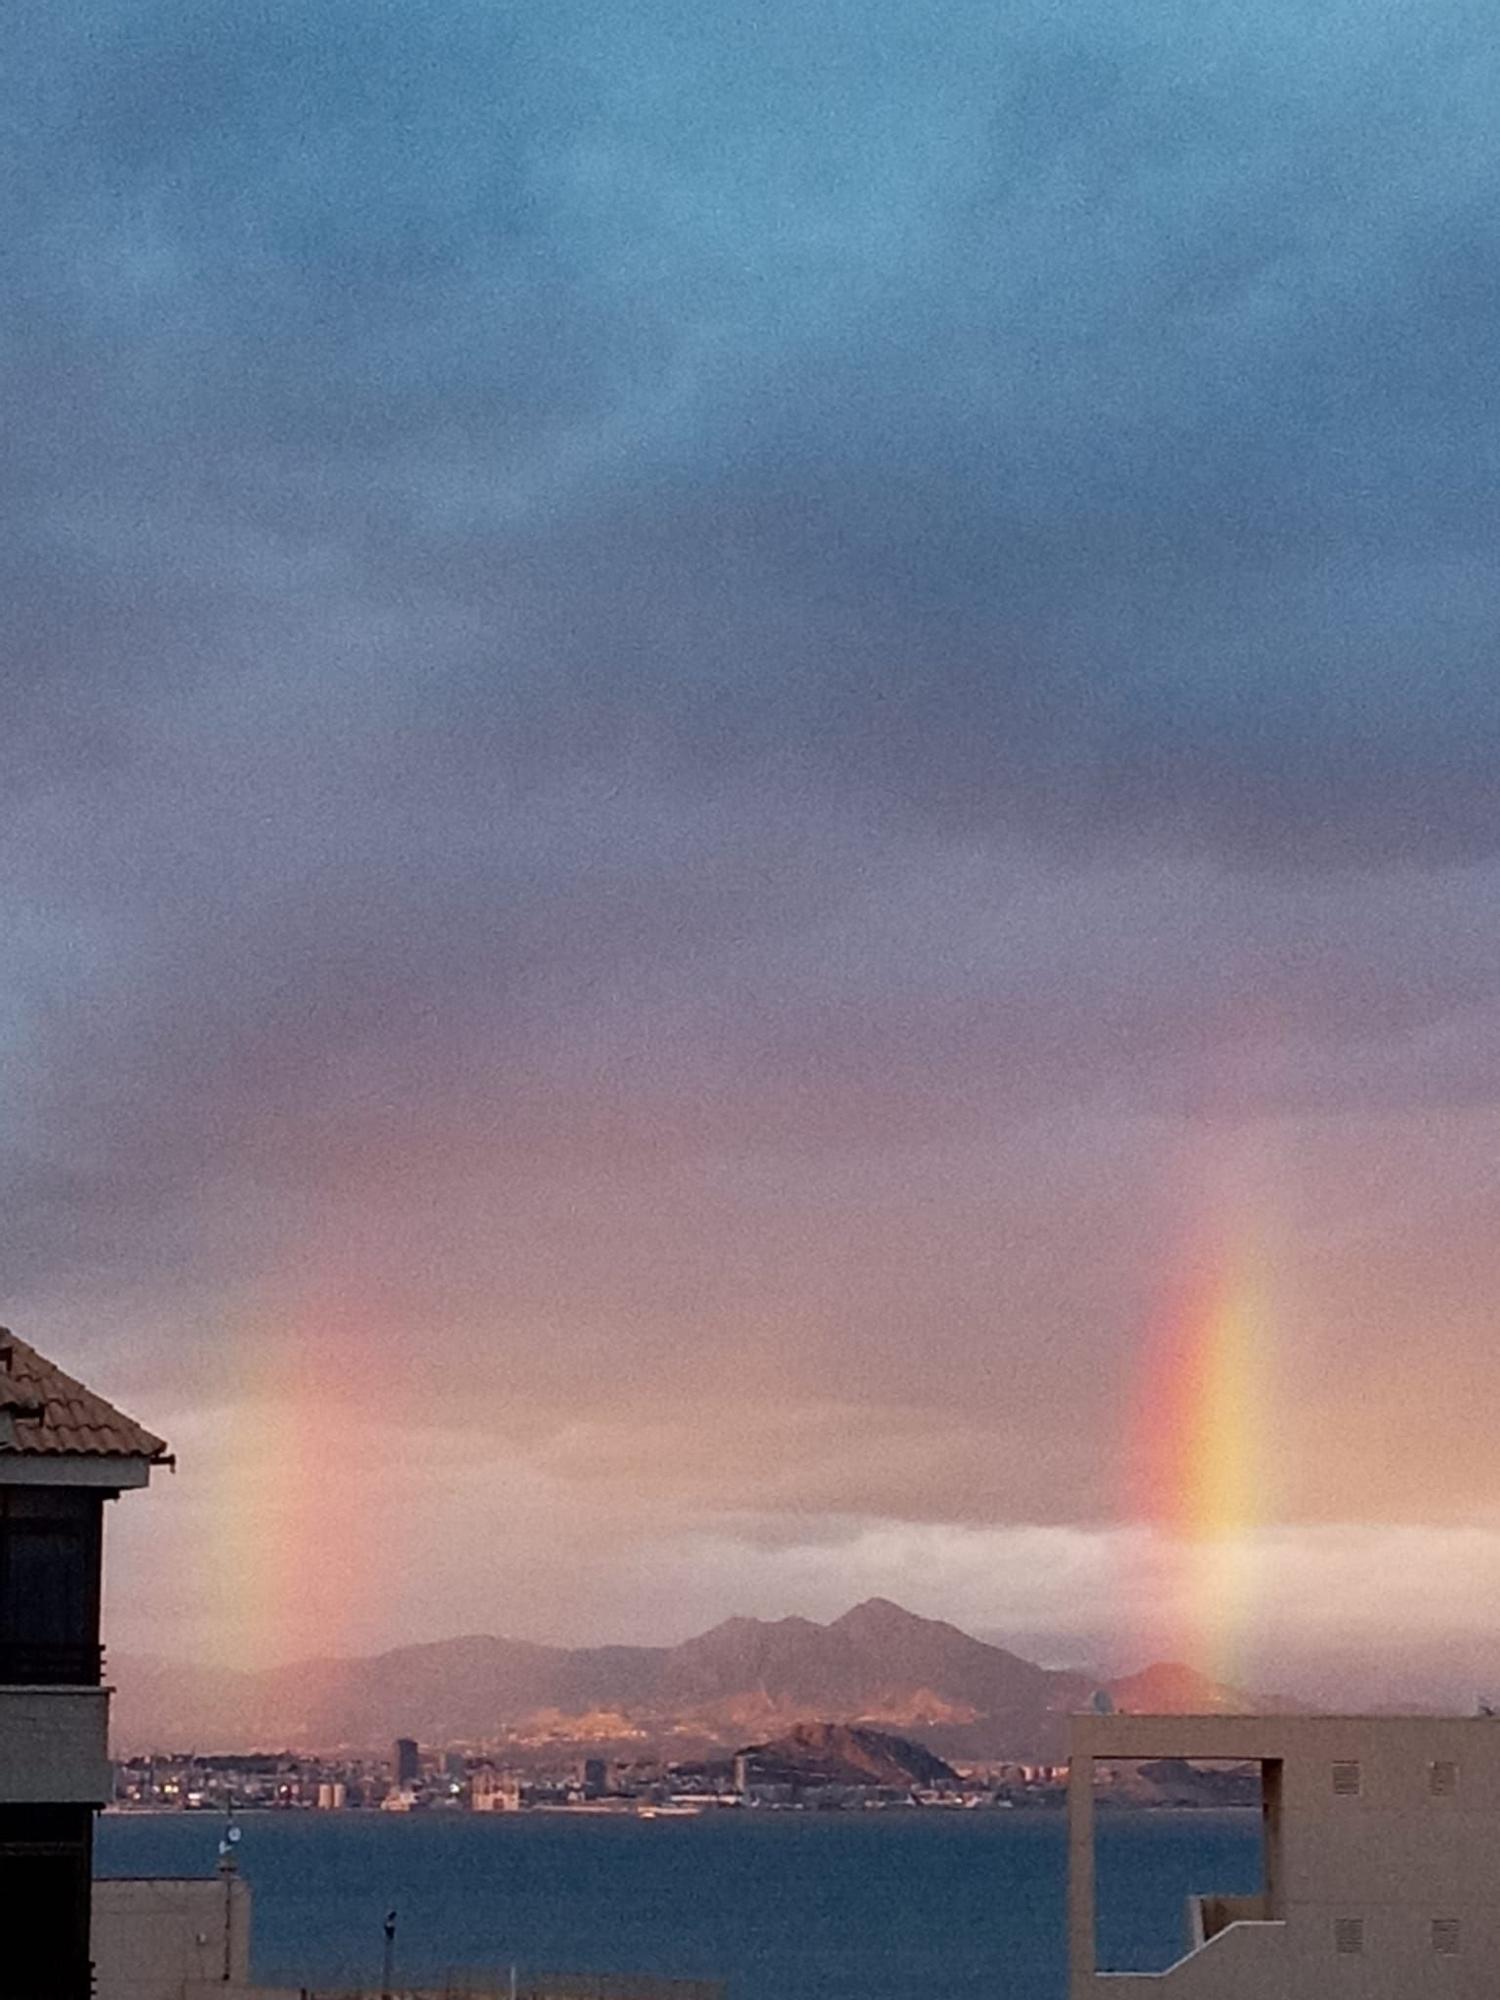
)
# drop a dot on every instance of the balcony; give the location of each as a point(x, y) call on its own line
point(1247, 1956)
point(41, 1663)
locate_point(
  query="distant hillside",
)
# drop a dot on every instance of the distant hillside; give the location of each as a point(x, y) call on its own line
point(836, 1753)
point(878, 1667)
point(1170, 1689)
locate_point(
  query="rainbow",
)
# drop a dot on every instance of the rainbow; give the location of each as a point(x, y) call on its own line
point(1199, 1463)
point(301, 1557)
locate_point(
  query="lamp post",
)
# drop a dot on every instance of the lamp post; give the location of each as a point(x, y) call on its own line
point(388, 1961)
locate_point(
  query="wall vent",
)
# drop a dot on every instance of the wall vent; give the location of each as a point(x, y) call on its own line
point(1349, 1936)
point(1442, 1778)
point(1445, 1936)
point(1347, 1778)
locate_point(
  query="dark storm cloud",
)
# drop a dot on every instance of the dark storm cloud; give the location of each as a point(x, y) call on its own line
point(1062, 424)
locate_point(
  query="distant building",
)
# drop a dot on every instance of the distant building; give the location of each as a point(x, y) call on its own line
point(490, 1791)
point(408, 1761)
point(63, 1452)
point(594, 1776)
point(1381, 1852)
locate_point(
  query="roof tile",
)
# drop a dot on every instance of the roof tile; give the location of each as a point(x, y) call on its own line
point(45, 1412)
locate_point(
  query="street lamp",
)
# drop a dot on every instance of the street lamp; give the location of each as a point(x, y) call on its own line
point(388, 1962)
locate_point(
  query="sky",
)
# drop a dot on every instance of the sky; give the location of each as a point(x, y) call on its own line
point(734, 740)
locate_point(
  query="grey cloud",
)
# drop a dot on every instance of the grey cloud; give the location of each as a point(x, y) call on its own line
point(639, 640)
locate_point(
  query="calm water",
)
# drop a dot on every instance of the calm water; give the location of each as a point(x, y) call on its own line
point(786, 1907)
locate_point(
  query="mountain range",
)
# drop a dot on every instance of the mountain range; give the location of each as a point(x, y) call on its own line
point(878, 1666)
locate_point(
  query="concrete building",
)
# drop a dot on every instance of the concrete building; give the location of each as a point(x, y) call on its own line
point(63, 1452)
point(407, 1762)
point(190, 1940)
point(494, 1791)
point(172, 1940)
point(1380, 1859)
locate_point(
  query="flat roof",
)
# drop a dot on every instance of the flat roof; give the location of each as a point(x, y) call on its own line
point(1228, 1736)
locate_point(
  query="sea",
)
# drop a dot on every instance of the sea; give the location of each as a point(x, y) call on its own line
point(948, 1905)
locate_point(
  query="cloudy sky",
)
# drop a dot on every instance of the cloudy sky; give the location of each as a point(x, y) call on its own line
point(719, 724)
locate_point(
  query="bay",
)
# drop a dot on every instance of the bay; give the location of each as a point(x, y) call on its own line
point(839, 1906)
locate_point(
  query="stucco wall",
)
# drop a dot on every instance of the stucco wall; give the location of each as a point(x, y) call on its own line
point(54, 1746)
point(158, 1939)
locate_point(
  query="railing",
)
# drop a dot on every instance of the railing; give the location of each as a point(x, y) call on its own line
point(1208, 1915)
point(40, 1663)
point(528, 1986)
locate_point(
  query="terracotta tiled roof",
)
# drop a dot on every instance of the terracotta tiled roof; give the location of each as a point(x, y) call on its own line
point(43, 1411)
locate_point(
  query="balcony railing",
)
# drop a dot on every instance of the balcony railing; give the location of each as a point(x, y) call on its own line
point(38, 1663)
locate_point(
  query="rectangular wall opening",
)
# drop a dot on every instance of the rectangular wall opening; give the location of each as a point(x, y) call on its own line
point(1182, 1849)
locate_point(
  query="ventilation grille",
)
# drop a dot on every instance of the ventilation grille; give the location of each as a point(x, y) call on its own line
point(1349, 1936)
point(1445, 1936)
point(1347, 1778)
point(1442, 1778)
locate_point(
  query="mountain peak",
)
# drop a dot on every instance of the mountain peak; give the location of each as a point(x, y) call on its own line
point(877, 1614)
point(740, 1626)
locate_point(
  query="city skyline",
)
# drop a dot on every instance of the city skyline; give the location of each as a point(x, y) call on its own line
point(751, 843)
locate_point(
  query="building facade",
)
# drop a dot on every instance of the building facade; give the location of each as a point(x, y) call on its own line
point(168, 1939)
point(1380, 1859)
point(63, 1453)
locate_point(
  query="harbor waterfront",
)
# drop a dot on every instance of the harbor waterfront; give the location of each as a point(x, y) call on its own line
point(951, 1906)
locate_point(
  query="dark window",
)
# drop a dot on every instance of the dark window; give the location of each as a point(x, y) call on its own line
point(45, 1857)
point(1348, 1936)
point(49, 1584)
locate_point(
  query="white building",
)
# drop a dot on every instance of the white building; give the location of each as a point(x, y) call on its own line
point(1380, 1869)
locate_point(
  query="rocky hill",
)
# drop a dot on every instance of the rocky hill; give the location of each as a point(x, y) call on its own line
point(835, 1753)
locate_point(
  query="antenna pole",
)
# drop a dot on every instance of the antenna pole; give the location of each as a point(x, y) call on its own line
point(228, 1869)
